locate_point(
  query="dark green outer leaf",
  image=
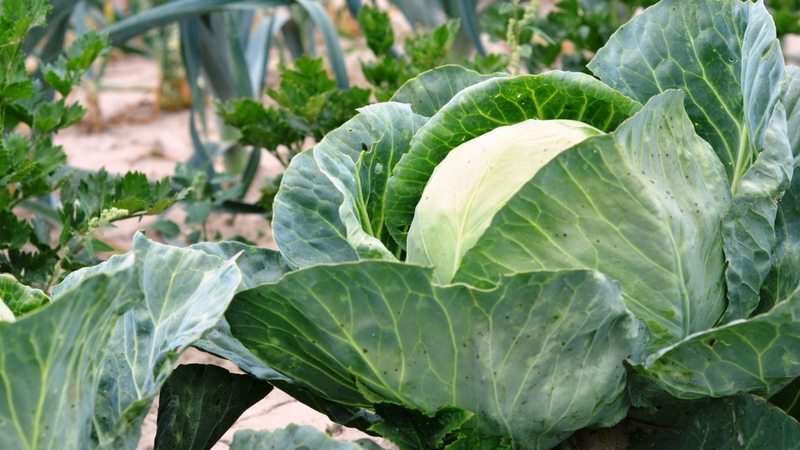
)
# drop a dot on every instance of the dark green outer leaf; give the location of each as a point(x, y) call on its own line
point(409, 429)
point(330, 206)
point(643, 205)
point(760, 355)
point(731, 423)
point(198, 404)
point(788, 399)
point(486, 106)
point(429, 91)
point(724, 54)
point(784, 277)
point(293, 437)
point(377, 331)
point(19, 298)
point(748, 228)
point(790, 97)
point(50, 360)
point(185, 292)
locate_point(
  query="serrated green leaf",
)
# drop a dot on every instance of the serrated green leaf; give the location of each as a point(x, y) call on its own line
point(185, 293)
point(66, 72)
point(47, 117)
point(300, 84)
point(735, 422)
point(20, 299)
point(485, 106)
point(260, 126)
point(377, 29)
point(428, 50)
point(331, 203)
point(293, 437)
point(14, 233)
point(50, 360)
point(723, 54)
point(651, 222)
point(198, 403)
point(377, 331)
point(429, 91)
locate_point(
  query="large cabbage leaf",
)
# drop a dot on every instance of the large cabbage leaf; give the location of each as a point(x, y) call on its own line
point(199, 403)
point(737, 422)
point(725, 56)
point(429, 91)
point(485, 106)
point(749, 225)
point(784, 278)
point(381, 332)
point(258, 266)
point(330, 205)
point(642, 205)
point(761, 354)
point(183, 293)
point(50, 360)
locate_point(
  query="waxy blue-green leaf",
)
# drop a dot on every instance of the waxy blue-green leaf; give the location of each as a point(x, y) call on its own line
point(330, 207)
point(293, 437)
point(258, 266)
point(50, 360)
point(784, 277)
point(184, 293)
point(198, 403)
point(485, 106)
point(20, 299)
point(533, 359)
point(744, 421)
point(642, 205)
point(760, 354)
point(748, 228)
point(723, 54)
point(429, 91)
point(790, 97)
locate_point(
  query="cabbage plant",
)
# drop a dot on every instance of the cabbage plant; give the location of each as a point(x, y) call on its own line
point(500, 262)
point(483, 262)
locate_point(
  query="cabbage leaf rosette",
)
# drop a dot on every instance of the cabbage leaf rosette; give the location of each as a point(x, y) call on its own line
point(517, 258)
